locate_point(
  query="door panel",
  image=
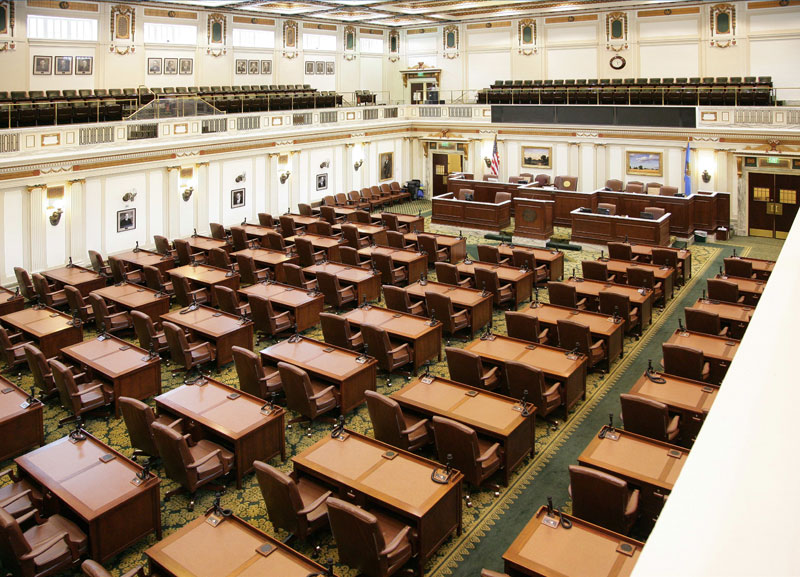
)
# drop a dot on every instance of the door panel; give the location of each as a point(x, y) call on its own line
point(787, 187)
point(773, 203)
point(440, 162)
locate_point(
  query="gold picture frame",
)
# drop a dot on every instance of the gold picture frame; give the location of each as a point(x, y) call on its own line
point(217, 29)
point(290, 34)
point(537, 157)
point(644, 163)
point(386, 165)
point(527, 36)
point(123, 22)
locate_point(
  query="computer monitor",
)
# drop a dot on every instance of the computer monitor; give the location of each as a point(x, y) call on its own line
point(584, 209)
point(603, 211)
point(647, 215)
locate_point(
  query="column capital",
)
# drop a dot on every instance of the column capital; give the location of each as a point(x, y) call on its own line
point(32, 187)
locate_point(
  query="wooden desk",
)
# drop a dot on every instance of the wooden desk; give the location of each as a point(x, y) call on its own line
point(330, 364)
point(664, 275)
point(255, 231)
point(644, 463)
point(601, 326)
point(376, 233)
point(761, 267)
point(750, 288)
point(142, 258)
point(682, 255)
point(521, 281)
point(416, 331)
point(10, 302)
point(239, 423)
point(401, 485)
point(642, 298)
point(732, 315)
point(585, 550)
point(83, 279)
point(603, 228)
point(691, 399)
point(367, 284)
point(553, 362)
point(207, 276)
point(48, 327)
point(133, 297)
point(347, 212)
point(306, 222)
point(330, 244)
point(199, 550)
point(718, 351)
point(121, 364)
point(304, 306)
point(223, 329)
point(479, 307)
point(20, 429)
point(493, 416)
point(112, 511)
point(274, 259)
point(533, 218)
point(414, 222)
point(455, 244)
point(554, 259)
point(449, 210)
point(416, 263)
point(206, 243)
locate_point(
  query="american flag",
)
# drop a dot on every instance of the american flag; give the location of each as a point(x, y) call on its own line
point(495, 159)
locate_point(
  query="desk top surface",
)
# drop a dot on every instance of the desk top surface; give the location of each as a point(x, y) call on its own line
point(131, 295)
point(550, 360)
point(623, 265)
point(320, 358)
point(112, 357)
point(599, 324)
point(749, 285)
point(731, 311)
point(205, 242)
point(142, 257)
point(206, 320)
point(345, 272)
point(393, 322)
point(647, 249)
point(72, 275)
point(282, 294)
point(202, 273)
point(504, 272)
point(759, 264)
point(593, 287)
point(460, 296)
point(677, 392)
point(405, 218)
point(11, 397)
point(266, 255)
point(303, 220)
point(363, 227)
point(441, 239)
point(543, 254)
point(723, 348)
point(397, 254)
point(318, 240)
point(39, 322)
point(256, 229)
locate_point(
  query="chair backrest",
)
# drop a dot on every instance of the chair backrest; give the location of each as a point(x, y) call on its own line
point(219, 257)
point(97, 261)
point(305, 209)
point(118, 270)
point(14, 546)
point(683, 361)
point(297, 387)
point(598, 497)
point(542, 179)
point(620, 251)
point(595, 270)
point(441, 306)
point(349, 255)
point(664, 257)
point(602, 207)
point(305, 250)
point(566, 182)
point(328, 213)
point(330, 287)
point(384, 264)
point(265, 218)
point(65, 383)
point(447, 273)
point(488, 253)
point(75, 301)
point(6, 345)
point(24, 283)
point(41, 287)
point(176, 339)
point(723, 290)
point(226, 299)
point(522, 257)
point(363, 217)
point(144, 328)
point(325, 228)
point(358, 538)
point(641, 277)
point(572, 334)
point(562, 294)
point(656, 211)
point(644, 416)
point(239, 237)
point(487, 279)
point(275, 241)
point(350, 234)
point(460, 441)
point(378, 344)
point(294, 274)
point(139, 419)
point(391, 221)
point(217, 231)
point(287, 225)
point(173, 448)
point(162, 244)
point(395, 239)
point(702, 321)
point(635, 187)
point(614, 184)
point(182, 289)
point(247, 268)
point(336, 330)
point(184, 251)
point(100, 309)
point(41, 371)
point(738, 267)
point(464, 366)
point(611, 302)
point(502, 197)
point(282, 498)
point(522, 326)
point(522, 378)
point(669, 190)
point(249, 369)
point(428, 243)
point(396, 298)
point(387, 419)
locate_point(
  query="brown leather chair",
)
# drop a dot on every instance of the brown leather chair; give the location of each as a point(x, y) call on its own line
point(476, 458)
point(328, 213)
point(572, 334)
point(121, 273)
point(248, 271)
point(565, 295)
point(253, 378)
point(218, 231)
point(336, 330)
point(546, 397)
point(48, 547)
point(94, 569)
point(491, 253)
point(739, 267)
point(350, 256)
point(398, 240)
point(621, 251)
point(596, 270)
point(185, 254)
point(77, 393)
point(265, 219)
point(239, 238)
point(440, 306)
point(465, 194)
point(649, 418)
point(191, 466)
point(701, 321)
point(392, 222)
point(305, 250)
point(297, 278)
point(275, 241)
point(614, 184)
point(13, 347)
point(685, 362)
point(502, 197)
point(185, 354)
point(487, 279)
point(104, 318)
point(354, 200)
point(525, 327)
point(646, 278)
point(665, 257)
point(668, 190)
point(449, 274)
point(20, 496)
point(48, 296)
point(294, 503)
point(523, 258)
point(352, 237)
point(228, 302)
point(288, 227)
point(98, 265)
point(305, 209)
point(266, 320)
point(566, 183)
point(155, 280)
point(611, 302)
point(429, 244)
point(25, 284)
point(40, 370)
point(390, 355)
point(185, 294)
point(542, 179)
point(139, 418)
point(635, 187)
point(164, 247)
point(307, 396)
point(656, 211)
point(391, 425)
point(603, 499)
point(398, 299)
point(371, 542)
point(335, 294)
point(77, 305)
point(147, 333)
point(390, 274)
point(724, 290)
point(325, 228)
point(363, 217)
point(467, 367)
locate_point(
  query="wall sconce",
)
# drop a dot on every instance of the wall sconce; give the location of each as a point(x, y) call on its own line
point(55, 201)
point(358, 163)
point(488, 161)
point(285, 176)
point(129, 196)
point(55, 216)
point(706, 176)
point(325, 164)
point(187, 193)
point(241, 178)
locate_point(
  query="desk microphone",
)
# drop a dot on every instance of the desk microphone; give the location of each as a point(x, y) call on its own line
point(136, 248)
point(77, 434)
point(76, 320)
point(422, 280)
point(433, 320)
point(338, 429)
point(244, 222)
point(231, 272)
point(144, 474)
point(652, 375)
point(680, 325)
point(524, 404)
point(535, 304)
point(609, 428)
point(193, 262)
point(573, 354)
point(616, 318)
point(704, 294)
point(626, 239)
point(459, 234)
point(602, 255)
point(15, 295)
point(734, 253)
point(483, 290)
point(295, 336)
point(69, 264)
point(194, 234)
point(365, 304)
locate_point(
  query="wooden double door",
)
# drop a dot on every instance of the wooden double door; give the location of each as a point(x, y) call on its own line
point(443, 165)
point(772, 203)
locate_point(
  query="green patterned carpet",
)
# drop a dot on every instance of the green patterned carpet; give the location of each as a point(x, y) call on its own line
point(487, 515)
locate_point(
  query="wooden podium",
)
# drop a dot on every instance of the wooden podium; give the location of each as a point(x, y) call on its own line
point(533, 218)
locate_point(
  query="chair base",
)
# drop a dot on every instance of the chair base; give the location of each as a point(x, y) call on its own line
point(321, 419)
point(180, 490)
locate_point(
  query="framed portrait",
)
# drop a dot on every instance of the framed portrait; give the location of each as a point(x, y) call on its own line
point(322, 181)
point(237, 198)
point(170, 65)
point(252, 67)
point(386, 160)
point(266, 67)
point(319, 67)
point(154, 65)
point(4, 17)
point(330, 68)
point(241, 66)
point(126, 219)
point(63, 65)
point(42, 65)
point(309, 67)
point(750, 161)
point(84, 65)
point(187, 65)
point(646, 163)
point(536, 157)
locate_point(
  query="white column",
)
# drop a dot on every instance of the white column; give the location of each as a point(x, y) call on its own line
point(77, 221)
point(574, 163)
point(294, 179)
point(405, 148)
point(174, 202)
point(366, 173)
point(201, 195)
point(38, 219)
point(586, 162)
point(601, 165)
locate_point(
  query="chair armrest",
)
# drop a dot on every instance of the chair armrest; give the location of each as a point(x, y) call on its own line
point(199, 345)
point(16, 497)
point(488, 453)
point(397, 349)
point(724, 332)
point(135, 572)
point(315, 503)
point(490, 373)
point(414, 427)
point(79, 376)
point(123, 313)
point(541, 267)
point(324, 391)
point(461, 313)
point(46, 546)
point(175, 423)
point(553, 390)
point(13, 336)
point(543, 334)
point(19, 345)
point(398, 539)
point(612, 278)
point(281, 315)
point(10, 473)
point(89, 390)
point(597, 345)
point(204, 460)
point(581, 302)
